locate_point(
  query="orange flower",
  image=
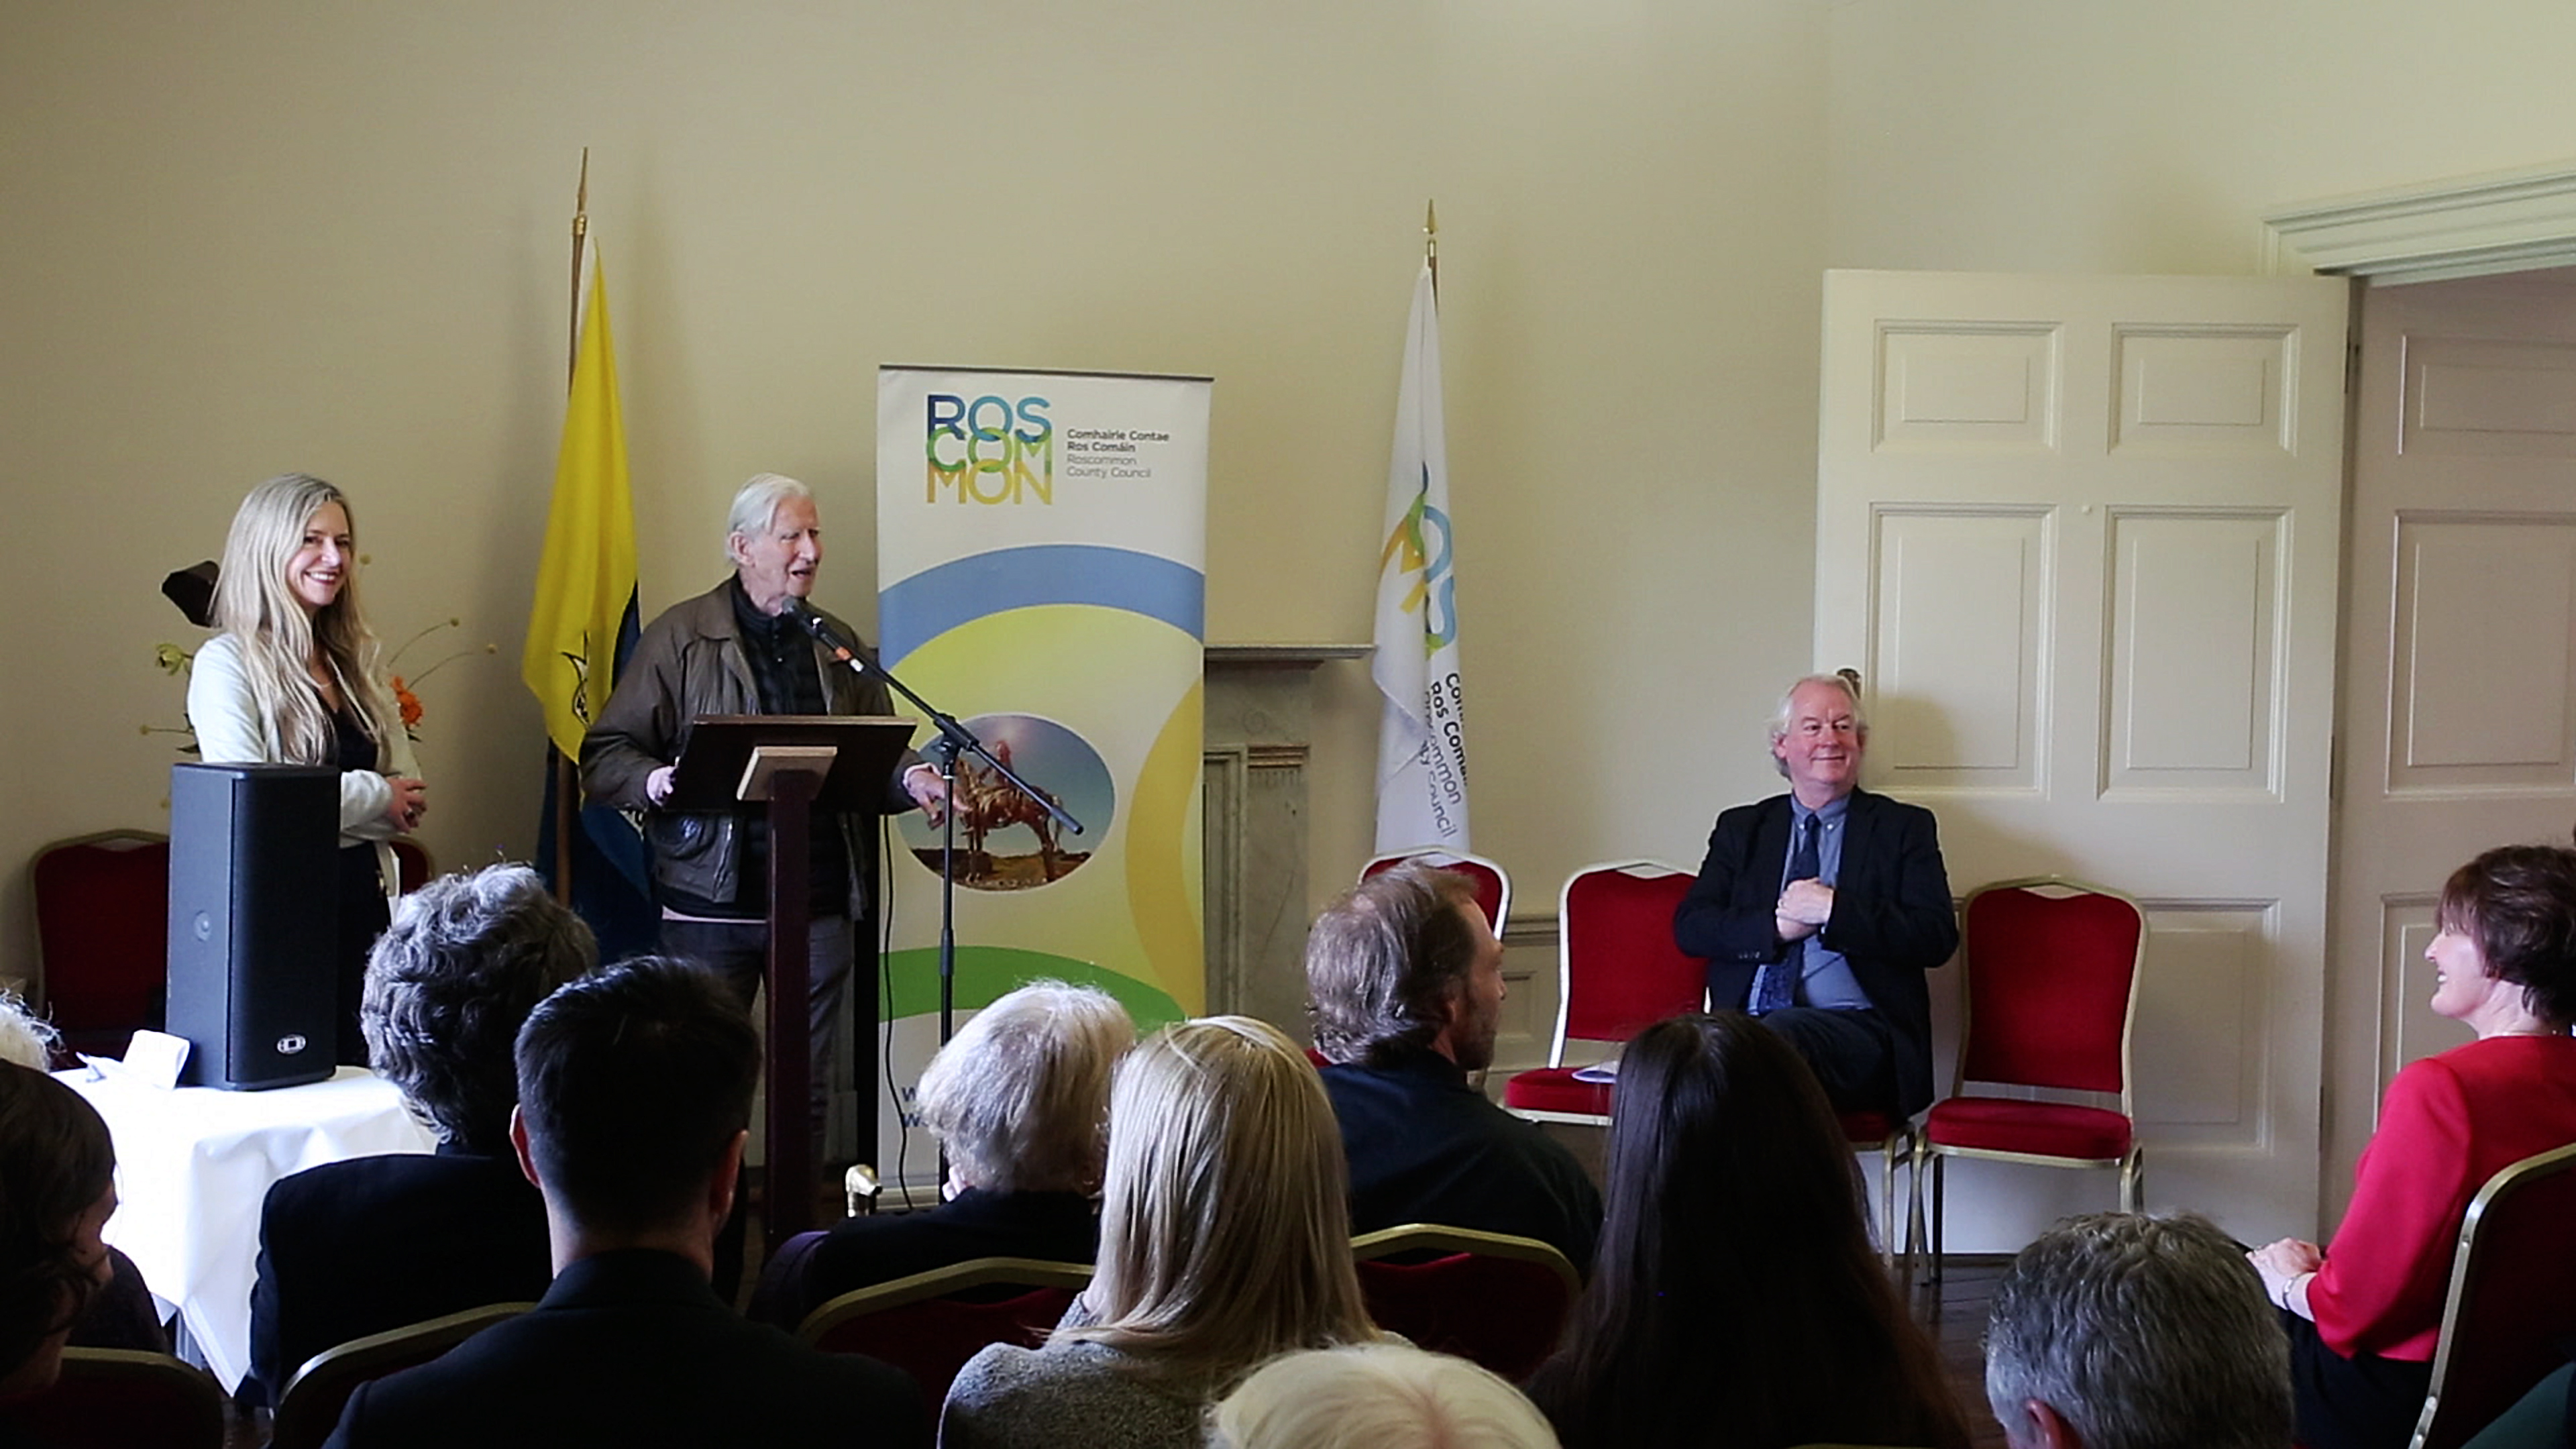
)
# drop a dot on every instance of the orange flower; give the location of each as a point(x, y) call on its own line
point(407, 703)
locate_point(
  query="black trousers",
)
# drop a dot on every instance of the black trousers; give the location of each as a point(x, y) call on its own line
point(2360, 1402)
point(363, 917)
point(1853, 1053)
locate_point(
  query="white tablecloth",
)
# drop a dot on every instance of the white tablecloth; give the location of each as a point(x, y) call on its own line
point(193, 1166)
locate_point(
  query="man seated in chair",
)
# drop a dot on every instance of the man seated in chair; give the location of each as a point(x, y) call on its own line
point(2129, 1331)
point(1820, 910)
point(635, 1087)
point(367, 1244)
point(1407, 983)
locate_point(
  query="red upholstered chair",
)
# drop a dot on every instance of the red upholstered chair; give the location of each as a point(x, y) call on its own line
point(2513, 1298)
point(1618, 972)
point(308, 1409)
point(103, 936)
point(1493, 1298)
point(929, 1324)
point(120, 1396)
point(1493, 883)
point(2052, 991)
point(413, 863)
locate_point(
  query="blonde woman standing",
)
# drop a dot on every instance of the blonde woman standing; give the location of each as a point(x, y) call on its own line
point(1224, 1241)
point(291, 679)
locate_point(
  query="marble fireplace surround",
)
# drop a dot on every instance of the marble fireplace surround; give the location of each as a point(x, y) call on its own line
point(1259, 728)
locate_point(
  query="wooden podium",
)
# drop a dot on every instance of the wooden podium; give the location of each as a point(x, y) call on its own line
point(790, 764)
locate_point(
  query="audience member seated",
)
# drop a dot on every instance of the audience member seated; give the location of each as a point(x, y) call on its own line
point(1019, 1101)
point(635, 1087)
point(2364, 1318)
point(1224, 1241)
point(1737, 1298)
point(1407, 983)
point(1375, 1396)
point(2123, 1331)
point(57, 1187)
point(373, 1243)
point(121, 1313)
point(26, 1039)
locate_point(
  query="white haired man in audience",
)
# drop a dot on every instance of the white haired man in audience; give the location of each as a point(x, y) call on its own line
point(366, 1244)
point(1407, 983)
point(635, 1088)
point(1375, 1396)
point(1020, 1103)
point(2128, 1331)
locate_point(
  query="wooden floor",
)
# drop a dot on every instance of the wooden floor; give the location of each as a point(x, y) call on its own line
point(1956, 1316)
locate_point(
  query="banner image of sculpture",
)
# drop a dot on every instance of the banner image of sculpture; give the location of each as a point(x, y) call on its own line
point(1041, 565)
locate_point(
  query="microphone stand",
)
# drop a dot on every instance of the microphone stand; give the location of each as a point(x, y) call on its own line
point(954, 738)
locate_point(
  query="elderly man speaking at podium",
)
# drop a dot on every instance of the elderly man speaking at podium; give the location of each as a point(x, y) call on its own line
point(742, 648)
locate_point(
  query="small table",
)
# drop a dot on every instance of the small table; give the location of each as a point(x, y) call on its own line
point(194, 1164)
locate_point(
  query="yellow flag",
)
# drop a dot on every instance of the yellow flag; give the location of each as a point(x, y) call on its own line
point(584, 619)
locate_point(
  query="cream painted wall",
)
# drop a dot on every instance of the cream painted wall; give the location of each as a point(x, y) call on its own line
point(2037, 135)
point(242, 238)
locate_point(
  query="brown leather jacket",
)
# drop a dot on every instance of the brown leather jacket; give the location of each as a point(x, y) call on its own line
point(688, 663)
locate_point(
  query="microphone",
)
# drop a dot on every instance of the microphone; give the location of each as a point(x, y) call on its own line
point(812, 622)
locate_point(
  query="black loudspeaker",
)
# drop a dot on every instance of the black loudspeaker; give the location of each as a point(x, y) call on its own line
point(254, 921)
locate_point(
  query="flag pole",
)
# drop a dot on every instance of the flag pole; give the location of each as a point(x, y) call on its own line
point(567, 780)
point(1431, 244)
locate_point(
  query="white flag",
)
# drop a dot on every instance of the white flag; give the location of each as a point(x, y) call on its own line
point(1421, 738)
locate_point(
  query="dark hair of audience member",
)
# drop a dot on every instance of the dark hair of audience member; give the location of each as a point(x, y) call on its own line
point(633, 1082)
point(1736, 1296)
point(2512, 901)
point(449, 984)
point(56, 1162)
point(1383, 962)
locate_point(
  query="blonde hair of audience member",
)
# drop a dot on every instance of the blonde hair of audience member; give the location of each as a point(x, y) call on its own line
point(26, 1039)
point(255, 604)
point(1225, 1225)
point(1020, 1097)
point(1376, 1396)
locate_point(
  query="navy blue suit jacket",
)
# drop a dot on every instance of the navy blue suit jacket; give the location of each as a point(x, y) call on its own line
point(634, 1349)
point(372, 1243)
point(812, 1269)
point(1893, 917)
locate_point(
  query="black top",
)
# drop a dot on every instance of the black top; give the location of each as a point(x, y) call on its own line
point(634, 1349)
point(352, 748)
point(812, 1269)
point(1425, 1147)
point(372, 1243)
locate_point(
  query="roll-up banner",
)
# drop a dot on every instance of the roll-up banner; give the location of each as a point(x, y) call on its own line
point(1042, 575)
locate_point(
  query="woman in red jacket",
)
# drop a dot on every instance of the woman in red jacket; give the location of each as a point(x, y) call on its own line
point(2363, 1320)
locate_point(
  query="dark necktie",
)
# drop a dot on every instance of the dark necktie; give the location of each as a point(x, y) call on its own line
point(1776, 984)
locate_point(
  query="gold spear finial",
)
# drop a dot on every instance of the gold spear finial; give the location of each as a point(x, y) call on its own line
point(1431, 241)
point(580, 237)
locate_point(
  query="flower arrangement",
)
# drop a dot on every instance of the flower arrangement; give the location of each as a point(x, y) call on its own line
point(176, 662)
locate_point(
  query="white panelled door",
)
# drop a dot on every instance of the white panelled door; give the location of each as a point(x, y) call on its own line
point(2460, 652)
point(2079, 535)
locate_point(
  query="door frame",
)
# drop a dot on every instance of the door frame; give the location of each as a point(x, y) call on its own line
point(2483, 225)
point(2465, 226)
